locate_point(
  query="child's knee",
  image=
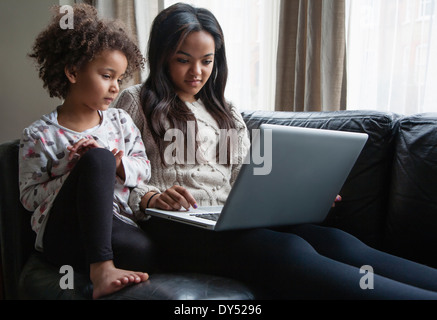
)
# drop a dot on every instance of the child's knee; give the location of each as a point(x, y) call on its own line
point(99, 158)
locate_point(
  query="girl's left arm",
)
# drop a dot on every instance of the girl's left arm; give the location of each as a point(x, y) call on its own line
point(134, 161)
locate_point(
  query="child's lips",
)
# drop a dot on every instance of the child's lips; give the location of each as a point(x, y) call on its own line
point(194, 83)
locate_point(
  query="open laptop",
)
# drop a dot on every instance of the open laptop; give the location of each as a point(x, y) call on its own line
point(308, 169)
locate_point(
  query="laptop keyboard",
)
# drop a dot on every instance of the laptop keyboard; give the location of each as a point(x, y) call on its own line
point(208, 216)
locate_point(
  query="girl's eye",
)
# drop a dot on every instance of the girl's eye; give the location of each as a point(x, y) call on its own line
point(120, 81)
point(106, 76)
point(182, 60)
point(207, 62)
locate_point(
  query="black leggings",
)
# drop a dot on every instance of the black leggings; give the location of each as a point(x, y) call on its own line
point(82, 229)
point(302, 262)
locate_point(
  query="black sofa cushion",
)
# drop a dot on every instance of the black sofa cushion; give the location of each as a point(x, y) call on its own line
point(41, 281)
point(364, 207)
point(412, 218)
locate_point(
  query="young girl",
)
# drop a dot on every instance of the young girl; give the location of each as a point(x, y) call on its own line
point(186, 83)
point(77, 163)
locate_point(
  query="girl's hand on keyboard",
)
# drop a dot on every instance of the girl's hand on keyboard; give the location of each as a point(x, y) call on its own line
point(175, 198)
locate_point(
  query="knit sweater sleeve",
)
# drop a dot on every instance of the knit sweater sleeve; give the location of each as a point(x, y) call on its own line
point(135, 161)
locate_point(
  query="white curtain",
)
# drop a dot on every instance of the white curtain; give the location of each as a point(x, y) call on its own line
point(391, 53)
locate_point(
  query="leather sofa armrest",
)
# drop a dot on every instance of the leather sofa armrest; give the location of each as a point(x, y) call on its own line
point(412, 215)
point(16, 236)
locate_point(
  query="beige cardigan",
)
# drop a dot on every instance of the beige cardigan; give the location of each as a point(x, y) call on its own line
point(210, 182)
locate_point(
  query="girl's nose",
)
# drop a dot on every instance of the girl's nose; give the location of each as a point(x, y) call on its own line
point(115, 87)
point(196, 69)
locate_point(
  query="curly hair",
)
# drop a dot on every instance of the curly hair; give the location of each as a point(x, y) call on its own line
point(56, 48)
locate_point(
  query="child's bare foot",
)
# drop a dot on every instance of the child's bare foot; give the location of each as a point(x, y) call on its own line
point(107, 279)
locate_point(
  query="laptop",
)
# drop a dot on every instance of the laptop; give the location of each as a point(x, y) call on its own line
point(303, 171)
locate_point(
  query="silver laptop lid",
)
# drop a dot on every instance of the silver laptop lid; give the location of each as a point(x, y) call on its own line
point(293, 177)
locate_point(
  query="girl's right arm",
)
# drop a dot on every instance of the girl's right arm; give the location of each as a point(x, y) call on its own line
point(174, 198)
point(35, 182)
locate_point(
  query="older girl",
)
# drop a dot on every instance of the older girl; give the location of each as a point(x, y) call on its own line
point(188, 73)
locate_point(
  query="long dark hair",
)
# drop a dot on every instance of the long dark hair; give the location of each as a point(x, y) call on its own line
point(159, 101)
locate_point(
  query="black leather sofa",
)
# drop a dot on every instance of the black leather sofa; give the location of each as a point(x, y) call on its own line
point(389, 202)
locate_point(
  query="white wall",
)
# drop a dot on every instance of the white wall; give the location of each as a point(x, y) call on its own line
point(22, 97)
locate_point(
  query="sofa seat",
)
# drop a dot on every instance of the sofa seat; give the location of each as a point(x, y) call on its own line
point(41, 281)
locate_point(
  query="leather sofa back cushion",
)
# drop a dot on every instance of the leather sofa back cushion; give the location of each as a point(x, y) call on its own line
point(363, 209)
point(412, 219)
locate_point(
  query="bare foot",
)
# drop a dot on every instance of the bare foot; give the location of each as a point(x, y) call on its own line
point(107, 279)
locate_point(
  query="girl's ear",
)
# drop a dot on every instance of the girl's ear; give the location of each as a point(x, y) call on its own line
point(71, 73)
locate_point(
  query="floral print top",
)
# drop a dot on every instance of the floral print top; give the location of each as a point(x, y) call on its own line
point(44, 163)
